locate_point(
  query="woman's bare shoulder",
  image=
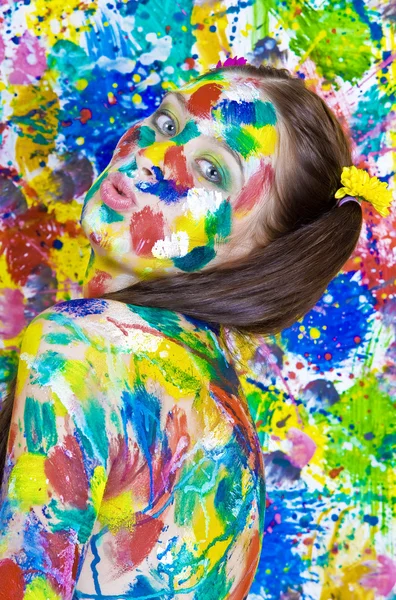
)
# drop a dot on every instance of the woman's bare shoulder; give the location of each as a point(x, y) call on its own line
point(88, 319)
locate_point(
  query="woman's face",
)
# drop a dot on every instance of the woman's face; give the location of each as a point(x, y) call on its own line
point(184, 182)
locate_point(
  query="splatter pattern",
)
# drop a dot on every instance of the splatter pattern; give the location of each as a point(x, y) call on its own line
point(77, 74)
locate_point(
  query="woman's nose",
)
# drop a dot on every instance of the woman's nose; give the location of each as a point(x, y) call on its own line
point(145, 168)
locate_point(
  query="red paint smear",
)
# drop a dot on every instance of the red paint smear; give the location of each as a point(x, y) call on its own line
point(255, 188)
point(190, 63)
point(166, 468)
point(63, 556)
point(201, 101)
point(12, 575)
point(127, 143)
point(28, 239)
point(85, 115)
point(131, 549)
point(14, 430)
point(251, 563)
point(175, 162)
point(147, 227)
point(124, 468)
point(244, 429)
point(97, 285)
point(65, 470)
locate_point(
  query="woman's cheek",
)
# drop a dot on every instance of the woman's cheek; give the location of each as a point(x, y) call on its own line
point(193, 227)
point(147, 227)
point(127, 144)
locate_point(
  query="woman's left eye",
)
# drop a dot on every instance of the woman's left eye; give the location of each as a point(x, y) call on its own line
point(166, 125)
point(209, 171)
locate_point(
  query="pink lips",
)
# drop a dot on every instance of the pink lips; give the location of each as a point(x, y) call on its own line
point(117, 191)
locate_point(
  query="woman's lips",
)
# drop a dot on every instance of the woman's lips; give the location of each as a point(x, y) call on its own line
point(117, 191)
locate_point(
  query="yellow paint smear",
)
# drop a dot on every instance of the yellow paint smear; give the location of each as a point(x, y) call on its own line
point(117, 513)
point(59, 19)
point(266, 137)
point(98, 484)
point(156, 152)
point(28, 484)
point(35, 113)
point(210, 45)
point(40, 589)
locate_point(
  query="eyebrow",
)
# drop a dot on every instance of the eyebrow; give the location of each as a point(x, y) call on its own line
point(182, 100)
point(235, 154)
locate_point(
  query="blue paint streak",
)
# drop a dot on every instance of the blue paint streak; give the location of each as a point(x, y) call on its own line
point(81, 307)
point(375, 28)
point(166, 189)
point(95, 562)
point(143, 410)
point(235, 113)
point(195, 259)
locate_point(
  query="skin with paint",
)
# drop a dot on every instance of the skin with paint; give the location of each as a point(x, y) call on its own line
point(185, 187)
point(134, 468)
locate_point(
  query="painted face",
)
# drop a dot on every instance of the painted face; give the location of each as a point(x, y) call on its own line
point(182, 183)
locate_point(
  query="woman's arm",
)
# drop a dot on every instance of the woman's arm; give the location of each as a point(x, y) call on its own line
point(57, 462)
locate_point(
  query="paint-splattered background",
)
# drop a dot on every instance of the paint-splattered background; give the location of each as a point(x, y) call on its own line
point(75, 74)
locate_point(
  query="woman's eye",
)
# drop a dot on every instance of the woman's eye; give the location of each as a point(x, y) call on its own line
point(166, 125)
point(209, 171)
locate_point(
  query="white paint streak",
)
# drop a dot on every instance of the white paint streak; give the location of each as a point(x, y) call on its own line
point(172, 246)
point(200, 201)
point(161, 48)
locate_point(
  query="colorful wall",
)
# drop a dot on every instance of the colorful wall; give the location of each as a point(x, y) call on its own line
point(74, 75)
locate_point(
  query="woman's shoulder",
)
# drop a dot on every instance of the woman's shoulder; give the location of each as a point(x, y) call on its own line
point(97, 320)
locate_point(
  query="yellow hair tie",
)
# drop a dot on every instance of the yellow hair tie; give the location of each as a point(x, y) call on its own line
point(358, 183)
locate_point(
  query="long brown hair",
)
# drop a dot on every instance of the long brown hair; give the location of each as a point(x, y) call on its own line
point(310, 239)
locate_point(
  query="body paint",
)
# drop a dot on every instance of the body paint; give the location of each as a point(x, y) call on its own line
point(147, 227)
point(138, 498)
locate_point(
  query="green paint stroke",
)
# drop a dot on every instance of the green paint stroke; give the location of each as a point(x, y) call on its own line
point(337, 41)
point(265, 114)
point(96, 428)
point(218, 224)
point(241, 141)
point(196, 259)
point(189, 132)
point(61, 339)
point(66, 519)
point(108, 215)
point(365, 419)
point(95, 186)
point(40, 426)
point(146, 136)
point(46, 366)
point(130, 168)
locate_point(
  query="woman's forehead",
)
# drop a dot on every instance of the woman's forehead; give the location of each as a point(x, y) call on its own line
point(229, 85)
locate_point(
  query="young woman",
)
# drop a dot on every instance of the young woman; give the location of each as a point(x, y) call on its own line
point(133, 468)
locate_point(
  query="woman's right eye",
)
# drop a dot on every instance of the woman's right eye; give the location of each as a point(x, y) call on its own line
point(165, 124)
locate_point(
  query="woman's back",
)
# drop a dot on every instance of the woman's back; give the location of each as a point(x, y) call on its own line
point(132, 438)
